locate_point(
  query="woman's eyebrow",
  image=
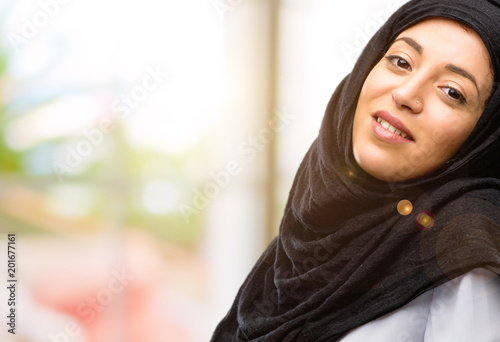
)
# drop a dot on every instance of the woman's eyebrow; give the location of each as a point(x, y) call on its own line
point(464, 73)
point(412, 43)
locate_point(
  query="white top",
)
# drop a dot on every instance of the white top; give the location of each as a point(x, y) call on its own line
point(466, 309)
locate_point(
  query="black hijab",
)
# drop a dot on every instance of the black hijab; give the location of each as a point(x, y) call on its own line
point(344, 255)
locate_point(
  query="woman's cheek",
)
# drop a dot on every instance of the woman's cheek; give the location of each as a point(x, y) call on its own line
point(372, 87)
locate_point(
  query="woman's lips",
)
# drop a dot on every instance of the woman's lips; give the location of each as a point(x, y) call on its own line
point(390, 128)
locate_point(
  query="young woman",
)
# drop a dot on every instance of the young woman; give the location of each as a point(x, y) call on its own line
point(392, 228)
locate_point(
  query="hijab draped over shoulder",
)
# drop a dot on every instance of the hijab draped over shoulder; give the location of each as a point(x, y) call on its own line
point(344, 255)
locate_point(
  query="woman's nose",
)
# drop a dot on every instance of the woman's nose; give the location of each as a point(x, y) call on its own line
point(409, 96)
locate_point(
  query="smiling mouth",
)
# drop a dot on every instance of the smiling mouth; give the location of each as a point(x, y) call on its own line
point(393, 129)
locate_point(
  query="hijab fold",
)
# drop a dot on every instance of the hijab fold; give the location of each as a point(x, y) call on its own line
point(344, 255)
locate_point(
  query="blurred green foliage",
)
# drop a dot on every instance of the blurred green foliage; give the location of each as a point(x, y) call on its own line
point(10, 161)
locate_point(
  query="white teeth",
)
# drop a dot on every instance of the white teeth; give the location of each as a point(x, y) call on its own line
point(391, 128)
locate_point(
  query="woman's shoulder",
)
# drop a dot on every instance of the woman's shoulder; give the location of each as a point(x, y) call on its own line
point(477, 282)
point(466, 308)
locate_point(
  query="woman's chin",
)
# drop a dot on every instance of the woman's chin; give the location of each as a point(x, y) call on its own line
point(387, 170)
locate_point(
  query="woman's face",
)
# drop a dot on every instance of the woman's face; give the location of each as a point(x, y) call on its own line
point(421, 101)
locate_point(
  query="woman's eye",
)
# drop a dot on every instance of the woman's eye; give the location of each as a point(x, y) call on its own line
point(455, 94)
point(399, 62)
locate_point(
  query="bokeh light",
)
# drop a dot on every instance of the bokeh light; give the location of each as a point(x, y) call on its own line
point(405, 207)
point(425, 220)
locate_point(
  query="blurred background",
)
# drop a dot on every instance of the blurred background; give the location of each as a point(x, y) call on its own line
point(147, 149)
